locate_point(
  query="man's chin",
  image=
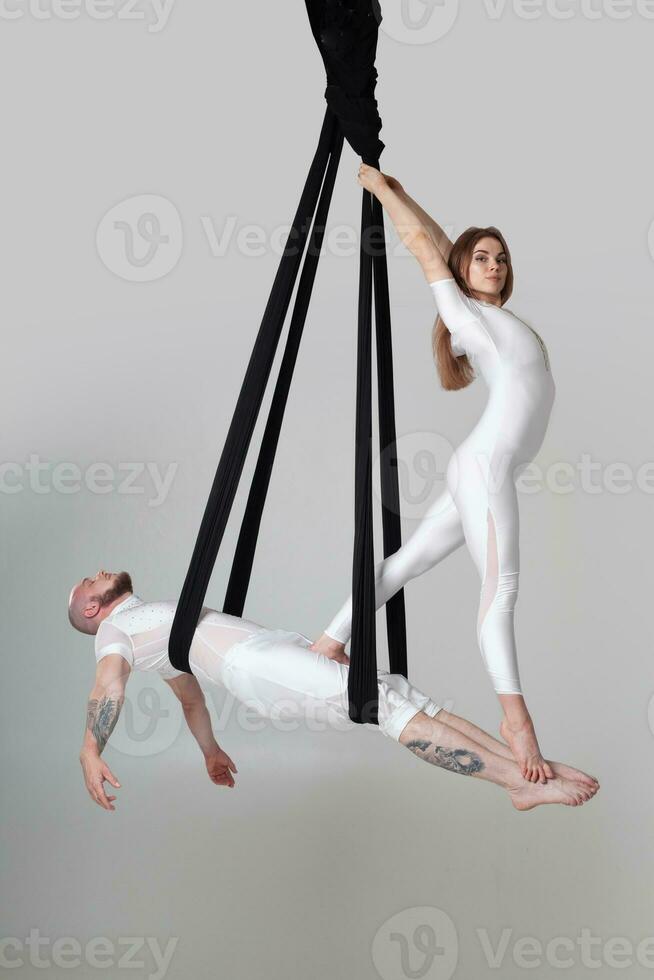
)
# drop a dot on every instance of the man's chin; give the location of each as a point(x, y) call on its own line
point(123, 581)
point(121, 584)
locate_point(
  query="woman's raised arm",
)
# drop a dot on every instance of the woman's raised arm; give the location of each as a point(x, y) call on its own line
point(412, 224)
point(439, 238)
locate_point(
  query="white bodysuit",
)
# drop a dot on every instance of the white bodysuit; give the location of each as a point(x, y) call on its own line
point(480, 504)
point(273, 671)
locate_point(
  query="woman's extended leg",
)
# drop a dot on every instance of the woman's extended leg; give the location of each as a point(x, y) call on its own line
point(483, 487)
point(439, 534)
point(479, 507)
point(467, 511)
point(436, 742)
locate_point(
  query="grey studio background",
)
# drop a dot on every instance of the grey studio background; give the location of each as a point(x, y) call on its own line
point(338, 854)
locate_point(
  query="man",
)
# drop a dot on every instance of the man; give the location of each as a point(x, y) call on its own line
point(278, 673)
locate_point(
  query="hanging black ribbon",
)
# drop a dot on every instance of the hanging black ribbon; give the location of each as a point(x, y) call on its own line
point(346, 33)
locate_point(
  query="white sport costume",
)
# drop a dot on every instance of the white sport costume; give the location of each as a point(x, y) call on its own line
point(271, 670)
point(480, 504)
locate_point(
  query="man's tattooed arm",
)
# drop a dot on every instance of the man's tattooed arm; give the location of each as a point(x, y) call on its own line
point(456, 760)
point(101, 717)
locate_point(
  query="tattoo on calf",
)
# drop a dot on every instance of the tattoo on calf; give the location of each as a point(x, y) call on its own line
point(101, 717)
point(456, 760)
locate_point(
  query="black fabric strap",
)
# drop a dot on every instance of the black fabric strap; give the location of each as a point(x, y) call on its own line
point(246, 413)
point(346, 32)
point(362, 678)
point(362, 675)
point(247, 542)
point(390, 492)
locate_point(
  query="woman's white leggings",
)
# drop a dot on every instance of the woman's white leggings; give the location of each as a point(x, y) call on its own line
point(479, 507)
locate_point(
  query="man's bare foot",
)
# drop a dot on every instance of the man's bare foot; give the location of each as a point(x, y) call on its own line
point(331, 648)
point(568, 792)
point(576, 775)
point(523, 743)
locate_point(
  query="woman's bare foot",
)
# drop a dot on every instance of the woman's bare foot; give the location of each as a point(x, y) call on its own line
point(569, 792)
point(331, 648)
point(371, 179)
point(501, 748)
point(435, 741)
point(523, 743)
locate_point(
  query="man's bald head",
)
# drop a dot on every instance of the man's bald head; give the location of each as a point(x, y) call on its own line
point(91, 599)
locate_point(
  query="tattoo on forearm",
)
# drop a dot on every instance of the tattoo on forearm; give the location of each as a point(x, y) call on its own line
point(456, 760)
point(101, 717)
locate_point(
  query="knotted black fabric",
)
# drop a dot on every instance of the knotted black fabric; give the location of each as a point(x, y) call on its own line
point(346, 32)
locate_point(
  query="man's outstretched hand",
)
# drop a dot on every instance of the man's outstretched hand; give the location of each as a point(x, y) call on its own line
point(218, 766)
point(95, 771)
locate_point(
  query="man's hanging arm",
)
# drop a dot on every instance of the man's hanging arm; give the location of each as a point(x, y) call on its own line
point(102, 711)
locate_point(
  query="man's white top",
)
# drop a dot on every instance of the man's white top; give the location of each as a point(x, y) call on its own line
point(139, 631)
point(273, 671)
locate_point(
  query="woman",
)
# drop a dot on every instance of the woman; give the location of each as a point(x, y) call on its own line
point(471, 280)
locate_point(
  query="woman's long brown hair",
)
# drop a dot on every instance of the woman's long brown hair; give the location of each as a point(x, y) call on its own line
point(457, 372)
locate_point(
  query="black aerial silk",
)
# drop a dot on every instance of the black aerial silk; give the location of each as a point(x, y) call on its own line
point(346, 32)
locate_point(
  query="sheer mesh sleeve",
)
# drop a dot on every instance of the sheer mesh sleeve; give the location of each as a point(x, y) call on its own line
point(110, 639)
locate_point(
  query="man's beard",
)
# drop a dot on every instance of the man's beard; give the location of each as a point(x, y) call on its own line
point(122, 584)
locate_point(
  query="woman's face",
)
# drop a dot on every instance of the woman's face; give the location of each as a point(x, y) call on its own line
point(488, 269)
